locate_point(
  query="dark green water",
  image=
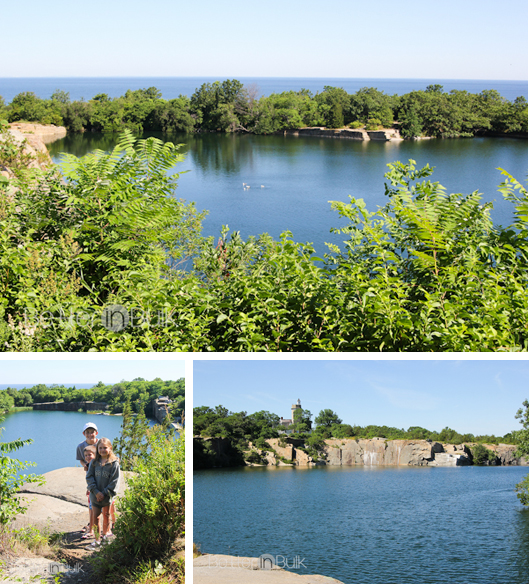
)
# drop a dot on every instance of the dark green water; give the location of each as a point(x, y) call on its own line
point(370, 525)
point(55, 434)
point(300, 175)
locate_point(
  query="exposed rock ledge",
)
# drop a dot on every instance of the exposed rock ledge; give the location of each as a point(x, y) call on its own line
point(39, 132)
point(386, 135)
point(220, 569)
point(352, 452)
point(36, 136)
point(61, 502)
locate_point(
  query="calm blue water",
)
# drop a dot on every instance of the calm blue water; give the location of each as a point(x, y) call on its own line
point(300, 175)
point(171, 87)
point(55, 434)
point(370, 525)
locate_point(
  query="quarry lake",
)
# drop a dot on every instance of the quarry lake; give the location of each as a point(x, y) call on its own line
point(292, 179)
point(370, 525)
point(55, 436)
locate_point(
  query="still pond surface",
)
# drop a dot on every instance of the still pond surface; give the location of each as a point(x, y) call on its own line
point(292, 179)
point(55, 435)
point(370, 525)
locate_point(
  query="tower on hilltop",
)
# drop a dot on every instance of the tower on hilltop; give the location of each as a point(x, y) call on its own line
point(296, 406)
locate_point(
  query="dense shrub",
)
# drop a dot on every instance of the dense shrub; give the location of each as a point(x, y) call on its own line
point(482, 455)
point(151, 514)
point(426, 272)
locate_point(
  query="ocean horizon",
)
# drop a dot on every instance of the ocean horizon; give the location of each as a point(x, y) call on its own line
point(19, 386)
point(171, 87)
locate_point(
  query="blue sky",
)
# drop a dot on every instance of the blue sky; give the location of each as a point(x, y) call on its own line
point(476, 396)
point(108, 369)
point(472, 39)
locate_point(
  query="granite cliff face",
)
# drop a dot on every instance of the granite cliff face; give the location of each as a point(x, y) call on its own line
point(216, 452)
point(381, 452)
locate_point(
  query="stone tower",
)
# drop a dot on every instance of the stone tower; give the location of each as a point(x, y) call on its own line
point(295, 407)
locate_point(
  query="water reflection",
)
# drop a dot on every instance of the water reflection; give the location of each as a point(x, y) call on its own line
point(302, 174)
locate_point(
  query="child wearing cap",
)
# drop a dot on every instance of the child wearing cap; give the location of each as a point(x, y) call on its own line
point(90, 434)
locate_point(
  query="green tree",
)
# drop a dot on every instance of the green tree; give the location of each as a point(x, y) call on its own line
point(334, 106)
point(302, 421)
point(369, 103)
point(327, 418)
point(132, 444)
point(26, 106)
point(6, 401)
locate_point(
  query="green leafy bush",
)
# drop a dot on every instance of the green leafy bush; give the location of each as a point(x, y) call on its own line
point(482, 455)
point(426, 272)
point(152, 511)
point(357, 124)
point(522, 490)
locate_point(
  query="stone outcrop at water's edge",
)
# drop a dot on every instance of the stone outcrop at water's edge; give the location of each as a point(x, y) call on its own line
point(386, 135)
point(219, 452)
point(32, 140)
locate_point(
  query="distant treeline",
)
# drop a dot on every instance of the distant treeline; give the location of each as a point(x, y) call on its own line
point(241, 428)
point(229, 106)
point(115, 394)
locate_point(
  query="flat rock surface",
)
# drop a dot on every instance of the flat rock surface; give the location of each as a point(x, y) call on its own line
point(59, 506)
point(68, 484)
point(221, 569)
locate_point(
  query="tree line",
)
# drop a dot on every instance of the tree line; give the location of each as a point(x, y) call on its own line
point(138, 392)
point(428, 271)
point(242, 428)
point(229, 106)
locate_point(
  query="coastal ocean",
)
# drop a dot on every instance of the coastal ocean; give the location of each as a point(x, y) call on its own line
point(172, 87)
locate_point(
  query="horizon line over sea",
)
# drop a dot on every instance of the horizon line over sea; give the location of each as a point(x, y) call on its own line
point(171, 87)
point(19, 386)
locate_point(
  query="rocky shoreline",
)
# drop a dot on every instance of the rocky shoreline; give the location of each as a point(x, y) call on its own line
point(219, 452)
point(385, 135)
